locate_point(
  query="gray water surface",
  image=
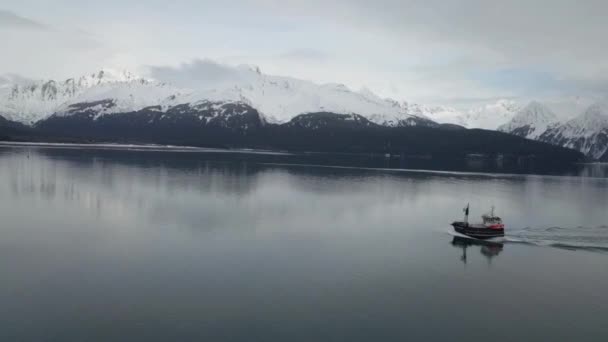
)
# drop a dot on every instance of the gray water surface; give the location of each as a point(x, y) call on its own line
point(100, 245)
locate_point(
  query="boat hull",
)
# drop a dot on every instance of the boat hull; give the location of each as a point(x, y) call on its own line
point(477, 231)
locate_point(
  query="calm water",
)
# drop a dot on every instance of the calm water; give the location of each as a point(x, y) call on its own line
point(100, 245)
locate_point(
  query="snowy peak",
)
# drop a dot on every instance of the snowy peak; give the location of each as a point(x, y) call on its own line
point(531, 121)
point(278, 99)
point(593, 120)
point(587, 133)
point(28, 101)
point(488, 116)
point(107, 76)
point(491, 116)
point(440, 114)
point(595, 117)
point(537, 109)
point(507, 105)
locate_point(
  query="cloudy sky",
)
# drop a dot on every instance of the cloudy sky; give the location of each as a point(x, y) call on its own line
point(432, 51)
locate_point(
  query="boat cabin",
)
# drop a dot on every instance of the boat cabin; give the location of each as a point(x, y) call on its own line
point(491, 219)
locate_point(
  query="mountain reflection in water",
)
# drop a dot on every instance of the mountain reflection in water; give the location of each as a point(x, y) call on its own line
point(123, 245)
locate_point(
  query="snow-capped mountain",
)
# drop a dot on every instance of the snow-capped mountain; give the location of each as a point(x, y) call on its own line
point(245, 98)
point(278, 99)
point(28, 101)
point(587, 133)
point(488, 116)
point(531, 121)
point(213, 121)
point(491, 116)
point(439, 114)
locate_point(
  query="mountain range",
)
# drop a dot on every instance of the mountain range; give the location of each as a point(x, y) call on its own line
point(587, 132)
point(119, 105)
point(277, 98)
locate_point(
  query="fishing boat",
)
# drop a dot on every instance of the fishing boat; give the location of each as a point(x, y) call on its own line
point(490, 227)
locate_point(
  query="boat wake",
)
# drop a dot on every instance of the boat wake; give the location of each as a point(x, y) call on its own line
point(593, 239)
point(571, 238)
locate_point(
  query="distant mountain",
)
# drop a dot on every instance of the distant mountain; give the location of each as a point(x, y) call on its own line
point(339, 133)
point(278, 99)
point(241, 109)
point(531, 121)
point(29, 101)
point(10, 130)
point(329, 120)
point(205, 123)
point(587, 133)
point(242, 126)
point(489, 116)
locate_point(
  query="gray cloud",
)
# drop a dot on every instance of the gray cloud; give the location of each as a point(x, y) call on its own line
point(40, 50)
point(305, 54)
point(549, 32)
point(197, 73)
point(11, 20)
point(435, 51)
point(563, 38)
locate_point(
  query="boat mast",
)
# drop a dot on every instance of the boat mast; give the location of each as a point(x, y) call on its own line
point(466, 214)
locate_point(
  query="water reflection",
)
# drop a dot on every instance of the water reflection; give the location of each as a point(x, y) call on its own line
point(350, 160)
point(489, 249)
point(179, 188)
point(599, 170)
point(124, 245)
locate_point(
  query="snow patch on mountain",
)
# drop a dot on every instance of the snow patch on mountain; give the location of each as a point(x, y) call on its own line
point(491, 116)
point(488, 116)
point(587, 133)
point(592, 120)
point(28, 101)
point(224, 95)
point(281, 98)
point(531, 121)
point(277, 98)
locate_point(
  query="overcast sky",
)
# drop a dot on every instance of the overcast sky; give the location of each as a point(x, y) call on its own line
point(432, 51)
